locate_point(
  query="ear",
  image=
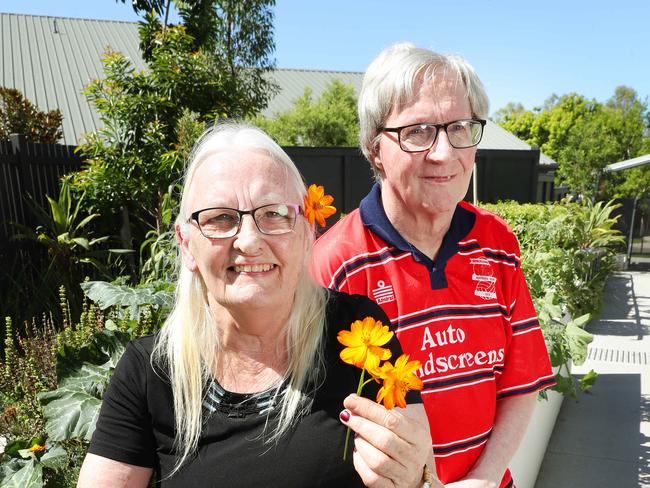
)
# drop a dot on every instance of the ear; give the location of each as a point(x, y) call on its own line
point(375, 158)
point(183, 237)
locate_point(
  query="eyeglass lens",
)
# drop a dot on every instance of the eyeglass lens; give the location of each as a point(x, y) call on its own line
point(225, 222)
point(461, 134)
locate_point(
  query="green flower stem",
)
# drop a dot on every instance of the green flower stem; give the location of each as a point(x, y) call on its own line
point(347, 434)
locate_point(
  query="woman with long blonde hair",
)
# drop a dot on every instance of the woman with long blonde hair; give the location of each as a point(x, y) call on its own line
point(243, 385)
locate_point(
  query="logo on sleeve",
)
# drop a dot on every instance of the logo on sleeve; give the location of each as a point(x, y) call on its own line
point(383, 293)
point(483, 274)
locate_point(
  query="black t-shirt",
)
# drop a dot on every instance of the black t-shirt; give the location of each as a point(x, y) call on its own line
point(136, 421)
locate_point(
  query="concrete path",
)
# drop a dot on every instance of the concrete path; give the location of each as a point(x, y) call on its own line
point(603, 439)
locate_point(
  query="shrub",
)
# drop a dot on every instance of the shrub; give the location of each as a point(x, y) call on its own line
point(52, 382)
point(568, 251)
point(19, 116)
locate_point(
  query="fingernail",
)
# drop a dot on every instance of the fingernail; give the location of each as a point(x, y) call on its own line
point(344, 415)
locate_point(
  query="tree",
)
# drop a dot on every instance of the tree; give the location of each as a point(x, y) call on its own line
point(241, 33)
point(19, 116)
point(331, 120)
point(151, 119)
point(584, 136)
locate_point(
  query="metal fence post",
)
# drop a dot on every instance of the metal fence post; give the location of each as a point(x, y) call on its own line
point(630, 241)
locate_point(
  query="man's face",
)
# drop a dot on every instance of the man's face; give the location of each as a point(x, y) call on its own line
point(432, 181)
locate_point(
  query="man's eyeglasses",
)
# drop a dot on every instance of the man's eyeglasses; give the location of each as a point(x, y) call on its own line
point(223, 222)
point(421, 137)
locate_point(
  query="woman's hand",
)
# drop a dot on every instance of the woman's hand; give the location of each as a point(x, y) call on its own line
point(391, 447)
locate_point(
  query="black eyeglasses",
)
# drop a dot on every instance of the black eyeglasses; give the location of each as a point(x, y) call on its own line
point(223, 222)
point(421, 137)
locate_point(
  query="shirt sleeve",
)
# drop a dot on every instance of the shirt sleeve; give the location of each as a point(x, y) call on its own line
point(123, 432)
point(326, 265)
point(527, 365)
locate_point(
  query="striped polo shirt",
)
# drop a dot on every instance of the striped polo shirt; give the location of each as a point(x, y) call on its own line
point(467, 316)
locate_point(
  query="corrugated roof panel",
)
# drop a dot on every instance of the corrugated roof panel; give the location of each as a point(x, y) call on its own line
point(496, 137)
point(294, 82)
point(6, 64)
point(51, 60)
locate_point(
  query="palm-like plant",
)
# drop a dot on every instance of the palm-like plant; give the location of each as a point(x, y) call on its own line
point(71, 250)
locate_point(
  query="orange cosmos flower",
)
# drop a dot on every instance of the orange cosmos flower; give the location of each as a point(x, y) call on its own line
point(363, 344)
point(398, 380)
point(317, 205)
point(37, 448)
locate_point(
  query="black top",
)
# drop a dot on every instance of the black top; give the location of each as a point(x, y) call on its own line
point(136, 422)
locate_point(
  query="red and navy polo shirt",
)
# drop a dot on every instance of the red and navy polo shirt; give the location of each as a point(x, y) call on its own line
point(466, 315)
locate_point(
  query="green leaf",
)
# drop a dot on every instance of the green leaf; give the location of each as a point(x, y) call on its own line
point(577, 341)
point(26, 454)
point(95, 360)
point(9, 466)
point(69, 413)
point(81, 241)
point(72, 409)
point(58, 215)
point(55, 458)
point(85, 221)
point(565, 386)
point(29, 475)
point(12, 448)
point(109, 294)
point(587, 381)
point(581, 321)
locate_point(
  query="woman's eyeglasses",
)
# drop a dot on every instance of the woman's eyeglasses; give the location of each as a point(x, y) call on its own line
point(223, 222)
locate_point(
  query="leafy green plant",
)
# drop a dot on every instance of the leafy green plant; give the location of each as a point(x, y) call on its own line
point(568, 251)
point(331, 120)
point(71, 410)
point(159, 250)
point(124, 298)
point(57, 411)
point(28, 367)
point(24, 462)
point(72, 252)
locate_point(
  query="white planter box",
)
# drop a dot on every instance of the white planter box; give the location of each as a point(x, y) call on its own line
point(528, 458)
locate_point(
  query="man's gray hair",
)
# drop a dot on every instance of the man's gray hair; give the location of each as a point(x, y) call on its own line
point(392, 80)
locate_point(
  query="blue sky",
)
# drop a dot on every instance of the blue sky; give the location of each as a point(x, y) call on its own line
point(523, 51)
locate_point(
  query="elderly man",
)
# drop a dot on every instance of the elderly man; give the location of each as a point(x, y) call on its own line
point(447, 274)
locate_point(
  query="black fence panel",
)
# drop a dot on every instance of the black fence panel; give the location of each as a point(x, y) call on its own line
point(36, 169)
point(26, 170)
point(506, 175)
point(343, 171)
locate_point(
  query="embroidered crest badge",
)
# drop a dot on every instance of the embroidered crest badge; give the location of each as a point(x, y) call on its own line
point(483, 274)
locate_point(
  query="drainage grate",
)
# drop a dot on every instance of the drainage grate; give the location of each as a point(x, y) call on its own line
point(618, 356)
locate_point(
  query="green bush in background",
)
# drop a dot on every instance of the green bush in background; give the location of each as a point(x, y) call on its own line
point(568, 250)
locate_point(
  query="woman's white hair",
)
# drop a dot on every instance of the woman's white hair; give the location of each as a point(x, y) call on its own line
point(392, 80)
point(188, 343)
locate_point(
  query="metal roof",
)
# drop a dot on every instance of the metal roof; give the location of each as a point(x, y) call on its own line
point(51, 59)
point(294, 81)
point(628, 163)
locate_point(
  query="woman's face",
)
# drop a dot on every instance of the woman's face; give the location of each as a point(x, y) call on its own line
point(250, 269)
point(432, 181)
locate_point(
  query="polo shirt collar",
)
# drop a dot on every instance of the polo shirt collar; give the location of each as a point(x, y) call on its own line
point(374, 217)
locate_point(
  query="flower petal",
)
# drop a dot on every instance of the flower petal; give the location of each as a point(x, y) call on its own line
point(354, 355)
